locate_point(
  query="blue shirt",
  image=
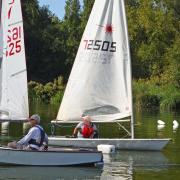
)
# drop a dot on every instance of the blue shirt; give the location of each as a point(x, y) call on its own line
point(34, 133)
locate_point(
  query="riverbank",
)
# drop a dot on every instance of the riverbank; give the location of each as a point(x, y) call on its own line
point(147, 93)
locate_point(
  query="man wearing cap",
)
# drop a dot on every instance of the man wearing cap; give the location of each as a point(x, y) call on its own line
point(85, 129)
point(35, 137)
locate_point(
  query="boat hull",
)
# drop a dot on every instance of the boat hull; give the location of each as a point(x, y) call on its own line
point(52, 157)
point(122, 144)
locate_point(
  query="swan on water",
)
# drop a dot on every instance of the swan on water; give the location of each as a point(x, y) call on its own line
point(160, 122)
point(175, 124)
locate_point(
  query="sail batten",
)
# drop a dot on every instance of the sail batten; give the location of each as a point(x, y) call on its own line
point(13, 88)
point(18, 22)
point(99, 83)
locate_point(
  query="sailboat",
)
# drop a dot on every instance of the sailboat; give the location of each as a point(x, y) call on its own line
point(14, 95)
point(100, 83)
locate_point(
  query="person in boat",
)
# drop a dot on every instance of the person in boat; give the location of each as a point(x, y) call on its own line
point(86, 129)
point(35, 139)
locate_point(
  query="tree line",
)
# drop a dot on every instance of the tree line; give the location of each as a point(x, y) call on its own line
point(51, 44)
point(154, 34)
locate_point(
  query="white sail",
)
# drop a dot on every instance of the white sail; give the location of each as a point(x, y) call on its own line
point(13, 80)
point(100, 81)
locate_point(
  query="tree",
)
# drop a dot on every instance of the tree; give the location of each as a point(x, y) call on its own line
point(71, 26)
point(44, 42)
point(152, 31)
point(171, 74)
point(87, 7)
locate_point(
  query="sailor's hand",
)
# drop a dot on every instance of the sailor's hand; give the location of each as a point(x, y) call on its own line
point(74, 136)
point(45, 147)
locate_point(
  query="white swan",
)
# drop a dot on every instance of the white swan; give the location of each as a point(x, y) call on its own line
point(175, 124)
point(160, 122)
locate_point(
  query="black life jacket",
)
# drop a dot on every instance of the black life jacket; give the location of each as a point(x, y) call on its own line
point(33, 141)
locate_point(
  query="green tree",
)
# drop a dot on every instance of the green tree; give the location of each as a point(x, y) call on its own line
point(171, 74)
point(152, 30)
point(44, 42)
point(87, 7)
point(71, 26)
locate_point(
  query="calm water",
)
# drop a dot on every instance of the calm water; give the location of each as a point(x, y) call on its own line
point(121, 165)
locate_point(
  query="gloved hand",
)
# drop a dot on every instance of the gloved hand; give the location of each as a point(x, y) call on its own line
point(45, 147)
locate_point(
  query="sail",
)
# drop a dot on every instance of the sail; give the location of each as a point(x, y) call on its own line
point(100, 81)
point(1, 49)
point(13, 80)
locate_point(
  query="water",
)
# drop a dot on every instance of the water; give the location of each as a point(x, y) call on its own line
point(121, 165)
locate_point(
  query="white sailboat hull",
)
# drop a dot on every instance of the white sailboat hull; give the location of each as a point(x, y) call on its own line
point(122, 144)
point(54, 157)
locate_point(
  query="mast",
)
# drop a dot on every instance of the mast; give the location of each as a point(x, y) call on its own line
point(129, 57)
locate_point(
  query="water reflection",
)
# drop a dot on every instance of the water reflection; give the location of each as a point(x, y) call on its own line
point(43, 173)
point(124, 163)
point(160, 126)
point(121, 165)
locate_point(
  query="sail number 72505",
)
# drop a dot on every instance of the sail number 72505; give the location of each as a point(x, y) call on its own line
point(100, 45)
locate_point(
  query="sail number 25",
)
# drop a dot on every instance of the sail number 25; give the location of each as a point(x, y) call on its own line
point(13, 41)
point(100, 45)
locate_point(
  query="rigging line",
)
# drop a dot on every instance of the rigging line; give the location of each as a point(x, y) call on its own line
point(124, 128)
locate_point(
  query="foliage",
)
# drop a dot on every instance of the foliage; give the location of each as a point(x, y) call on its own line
point(44, 42)
point(171, 73)
point(153, 93)
point(49, 93)
point(152, 29)
point(87, 7)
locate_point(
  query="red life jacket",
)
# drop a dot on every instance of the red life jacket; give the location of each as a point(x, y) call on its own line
point(87, 131)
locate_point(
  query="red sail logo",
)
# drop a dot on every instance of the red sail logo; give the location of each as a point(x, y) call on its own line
point(10, 8)
point(101, 45)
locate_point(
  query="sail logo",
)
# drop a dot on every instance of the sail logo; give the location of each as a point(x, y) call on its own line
point(14, 33)
point(11, 2)
point(101, 45)
point(13, 41)
point(108, 28)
